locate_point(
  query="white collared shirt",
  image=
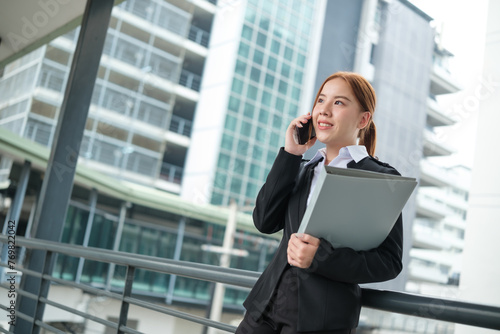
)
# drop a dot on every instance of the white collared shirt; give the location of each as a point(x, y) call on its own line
point(346, 155)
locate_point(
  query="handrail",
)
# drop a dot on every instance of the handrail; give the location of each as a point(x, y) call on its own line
point(466, 313)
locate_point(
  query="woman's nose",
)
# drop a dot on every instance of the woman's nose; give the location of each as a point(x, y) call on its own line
point(324, 112)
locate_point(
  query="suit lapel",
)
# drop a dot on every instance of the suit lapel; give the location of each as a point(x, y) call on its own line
point(299, 202)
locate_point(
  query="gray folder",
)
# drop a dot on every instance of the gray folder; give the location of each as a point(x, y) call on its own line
point(355, 208)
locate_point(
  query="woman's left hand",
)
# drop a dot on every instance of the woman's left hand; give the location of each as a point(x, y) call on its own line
point(301, 249)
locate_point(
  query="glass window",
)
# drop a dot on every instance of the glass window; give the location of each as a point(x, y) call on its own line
point(274, 141)
point(301, 60)
point(250, 15)
point(246, 32)
point(230, 123)
point(303, 43)
point(280, 104)
point(269, 81)
point(217, 198)
point(298, 77)
point(220, 180)
point(249, 110)
point(240, 67)
point(257, 153)
point(252, 92)
point(237, 86)
point(266, 98)
point(242, 147)
point(288, 53)
point(271, 155)
point(255, 74)
point(263, 116)
point(296, 92)
point(264, 22)
point(272, 63)
point(277, 119)
point(293, 110)
point(275, 46)
point(283, 86)
point(236, 185)
point(261, 39)
point(227, 142)
point(223, 161)
point(254, 171)
point(239, 166)
point(285, 70)
point(262, 134)
point(234, 103)
point(258, 57)
point(268, 6)
point(246, 128)
point(244, 50)
point(251, 190)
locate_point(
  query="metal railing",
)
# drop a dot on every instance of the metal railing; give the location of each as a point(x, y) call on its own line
point(397, 302)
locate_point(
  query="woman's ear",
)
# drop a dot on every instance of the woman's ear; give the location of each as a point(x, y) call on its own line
point(364, 120)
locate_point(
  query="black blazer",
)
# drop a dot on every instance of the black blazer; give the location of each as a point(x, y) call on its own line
point(329, 295)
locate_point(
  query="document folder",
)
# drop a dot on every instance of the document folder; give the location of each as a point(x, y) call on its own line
point(355, 208)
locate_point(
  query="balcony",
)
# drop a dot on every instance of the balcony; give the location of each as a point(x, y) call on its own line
point(434, 146)
point(423, 273)
point(199, 36)
point(425, 236)
point(442, 82)
point(427, 206)
point(435, 176)
point(181, 126)
point(435, 116)
point(171, 173)
point(140, 55)
point(190, 80)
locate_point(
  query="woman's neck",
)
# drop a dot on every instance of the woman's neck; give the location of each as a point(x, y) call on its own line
point(332, 151)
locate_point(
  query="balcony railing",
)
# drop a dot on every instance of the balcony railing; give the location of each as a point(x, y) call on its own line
point(427, 307)
point(190, 80)
point(180, 125)
point(199, 36)
point(171, 173)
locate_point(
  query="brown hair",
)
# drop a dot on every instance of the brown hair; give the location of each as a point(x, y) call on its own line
point(365, 94)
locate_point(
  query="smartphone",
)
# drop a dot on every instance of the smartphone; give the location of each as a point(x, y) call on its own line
point(303, 134)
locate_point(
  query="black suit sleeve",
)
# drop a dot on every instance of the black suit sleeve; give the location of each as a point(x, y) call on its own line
point(347, 265)
point(272, 200)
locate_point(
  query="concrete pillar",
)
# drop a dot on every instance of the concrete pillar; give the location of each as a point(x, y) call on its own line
point(481, 266)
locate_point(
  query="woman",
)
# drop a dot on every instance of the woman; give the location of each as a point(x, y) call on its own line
point(309, 286)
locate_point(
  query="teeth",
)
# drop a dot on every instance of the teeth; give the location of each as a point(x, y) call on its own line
point(325, 124)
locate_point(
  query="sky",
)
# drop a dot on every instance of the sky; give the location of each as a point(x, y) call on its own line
point(463, 26)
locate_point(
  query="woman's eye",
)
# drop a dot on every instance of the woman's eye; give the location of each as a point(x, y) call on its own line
point(339, 103)
point(320, 100)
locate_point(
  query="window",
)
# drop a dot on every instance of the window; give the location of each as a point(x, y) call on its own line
point(247, 32)
point(237, 86)
point(272, 63)
point(230, 123)
point(249, 110)
point(255, 74)
point(261, 39)
point(246, 128)
point(240, 67)
point(372, 54)
point(244, 50)
point(227, 142)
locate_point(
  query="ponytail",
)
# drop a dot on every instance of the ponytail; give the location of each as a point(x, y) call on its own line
point(368, 137)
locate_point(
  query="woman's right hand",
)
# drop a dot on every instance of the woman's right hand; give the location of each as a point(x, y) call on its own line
point(290, 145)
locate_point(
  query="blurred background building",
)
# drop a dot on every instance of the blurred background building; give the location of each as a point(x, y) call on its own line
point(191, 105)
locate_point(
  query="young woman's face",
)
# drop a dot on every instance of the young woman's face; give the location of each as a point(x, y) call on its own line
point(337, 115)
